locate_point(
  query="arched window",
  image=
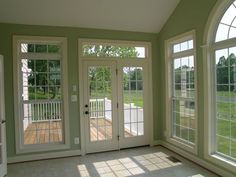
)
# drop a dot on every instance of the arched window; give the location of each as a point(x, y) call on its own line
point(227, 26)
point(221, 85)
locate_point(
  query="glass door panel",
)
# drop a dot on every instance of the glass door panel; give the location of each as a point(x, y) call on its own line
point(100, 95)
point(115, 110)
point(100, 103)
point(133, 101)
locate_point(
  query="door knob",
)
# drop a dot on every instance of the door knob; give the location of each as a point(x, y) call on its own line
point(86, 105)
point(86, 112)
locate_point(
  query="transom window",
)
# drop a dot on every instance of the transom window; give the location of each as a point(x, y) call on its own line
point(183, 46)
point(101, 49)
point(181, 76)
point(41, 113)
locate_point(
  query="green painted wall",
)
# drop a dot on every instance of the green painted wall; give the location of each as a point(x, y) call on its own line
point(189, 15)
point(72, 34)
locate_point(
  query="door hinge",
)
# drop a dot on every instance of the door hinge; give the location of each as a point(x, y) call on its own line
point(117, 105)
point(118, 137)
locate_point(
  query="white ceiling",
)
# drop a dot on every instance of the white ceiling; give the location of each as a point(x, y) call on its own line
point(127, 15)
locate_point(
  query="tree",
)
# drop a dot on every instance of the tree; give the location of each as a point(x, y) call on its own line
point(109, 51)
point(135, 76)
point(226, 73)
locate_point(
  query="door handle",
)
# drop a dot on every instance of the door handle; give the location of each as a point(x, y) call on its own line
point(3, 121)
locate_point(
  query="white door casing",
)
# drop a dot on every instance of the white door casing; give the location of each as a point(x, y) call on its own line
point(143, 61)
point(3, 156)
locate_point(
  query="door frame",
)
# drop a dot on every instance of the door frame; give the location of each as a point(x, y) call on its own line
point(3, 167)
point(81, 86)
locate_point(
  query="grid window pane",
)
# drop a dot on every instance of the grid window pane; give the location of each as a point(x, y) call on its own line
point(42, 123)
point(133, 101)
point(183, 98)
point(184, 77)
point(100, 103)
point(233, 148)
point(225, 70)
point(226, 28)
point(223, 145)
point(39, 48)
point(183, 46)
point(41, 85)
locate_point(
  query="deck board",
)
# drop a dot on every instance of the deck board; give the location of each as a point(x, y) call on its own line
point(43, 132)
point(51, 131)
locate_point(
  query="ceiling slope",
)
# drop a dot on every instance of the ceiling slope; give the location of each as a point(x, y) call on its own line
point(128, 15)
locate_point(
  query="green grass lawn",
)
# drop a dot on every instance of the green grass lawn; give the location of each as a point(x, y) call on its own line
point(131, 96)
point(226, 124)
point(39, 94)
point(226, 120)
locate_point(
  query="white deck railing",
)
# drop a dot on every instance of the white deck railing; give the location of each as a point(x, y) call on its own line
point(133, 115)
point(42, 111)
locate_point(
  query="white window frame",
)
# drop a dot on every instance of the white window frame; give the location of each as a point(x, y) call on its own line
point(209, 47)
point(19, 134)
point(169, 55)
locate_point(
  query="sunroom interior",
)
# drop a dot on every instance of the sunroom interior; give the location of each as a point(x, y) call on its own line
point(138, 88)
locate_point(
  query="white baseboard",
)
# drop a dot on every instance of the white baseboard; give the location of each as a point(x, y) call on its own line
point(197, 160)
point(51, 155)
point(156, 143)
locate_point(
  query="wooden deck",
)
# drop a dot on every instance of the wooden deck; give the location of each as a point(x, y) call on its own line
point(101, 129)
point(43, 132)
point(51, 131)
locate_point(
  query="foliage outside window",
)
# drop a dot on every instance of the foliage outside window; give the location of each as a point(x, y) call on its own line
point(109, 50)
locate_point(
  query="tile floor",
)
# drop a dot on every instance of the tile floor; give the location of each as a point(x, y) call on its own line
point(143, 161)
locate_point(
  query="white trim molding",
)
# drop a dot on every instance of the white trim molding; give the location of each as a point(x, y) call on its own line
point(45, 156)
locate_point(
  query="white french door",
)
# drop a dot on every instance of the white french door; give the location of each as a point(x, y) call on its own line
point(115, 103)
point(133, 104)
point(3, 157)
point(100, 110)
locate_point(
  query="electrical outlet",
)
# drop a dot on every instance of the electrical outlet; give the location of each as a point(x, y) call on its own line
point(76, 140)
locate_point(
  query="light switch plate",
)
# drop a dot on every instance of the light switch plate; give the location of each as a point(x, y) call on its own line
point(76, 140)
point(74, 98)
point(74, 89)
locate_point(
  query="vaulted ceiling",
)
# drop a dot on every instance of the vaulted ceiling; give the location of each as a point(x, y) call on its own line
point(127, 15)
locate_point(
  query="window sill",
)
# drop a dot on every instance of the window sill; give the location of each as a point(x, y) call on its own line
point(221, 161)
point(182, 145)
